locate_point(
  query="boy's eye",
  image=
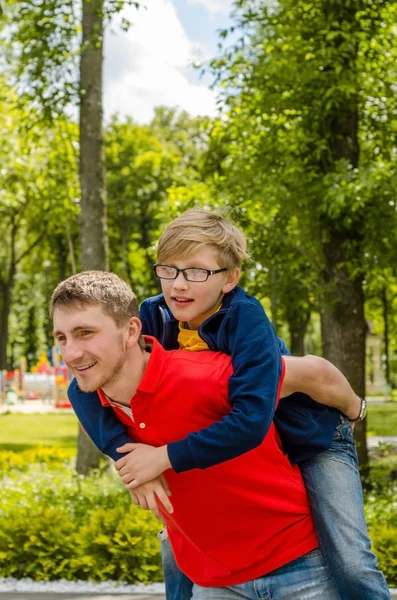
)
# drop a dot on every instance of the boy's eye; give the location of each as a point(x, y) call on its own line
point(86, 332)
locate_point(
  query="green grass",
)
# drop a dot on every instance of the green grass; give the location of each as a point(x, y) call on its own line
point(22, 432)
point(382, 419)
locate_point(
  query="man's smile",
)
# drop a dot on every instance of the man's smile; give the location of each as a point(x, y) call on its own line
point(84, 367)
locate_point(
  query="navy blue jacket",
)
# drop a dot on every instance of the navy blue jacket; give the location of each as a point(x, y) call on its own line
point(240, 328)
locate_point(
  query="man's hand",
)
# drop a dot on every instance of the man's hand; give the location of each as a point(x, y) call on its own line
point(142, 463)
point(148, 494)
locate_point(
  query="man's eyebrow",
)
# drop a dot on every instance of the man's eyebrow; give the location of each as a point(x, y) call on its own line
point(75, 329)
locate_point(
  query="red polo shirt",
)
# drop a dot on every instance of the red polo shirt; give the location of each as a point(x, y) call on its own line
point(238, 520)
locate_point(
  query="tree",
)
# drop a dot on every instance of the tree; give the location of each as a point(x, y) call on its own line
point(47, 48)
point(301, 95)
point(27, 206)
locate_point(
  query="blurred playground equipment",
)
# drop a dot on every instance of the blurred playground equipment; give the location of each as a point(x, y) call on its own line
point(47, 382)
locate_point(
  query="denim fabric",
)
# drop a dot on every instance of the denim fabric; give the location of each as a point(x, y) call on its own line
point(306, 578)
point(333, 484)
point(177, 585)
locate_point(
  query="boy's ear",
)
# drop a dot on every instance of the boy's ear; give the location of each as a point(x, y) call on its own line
point(133, 331)
point(232, 277)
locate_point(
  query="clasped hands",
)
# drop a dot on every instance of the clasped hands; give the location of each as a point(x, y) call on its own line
point(141, 470)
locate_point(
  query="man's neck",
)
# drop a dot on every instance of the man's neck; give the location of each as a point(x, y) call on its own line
point(124, 386)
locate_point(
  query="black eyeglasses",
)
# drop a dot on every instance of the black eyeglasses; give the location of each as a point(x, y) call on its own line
point(196, 275)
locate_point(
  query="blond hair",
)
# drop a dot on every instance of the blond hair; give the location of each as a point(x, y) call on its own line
point(197, 228)
point(98, 287)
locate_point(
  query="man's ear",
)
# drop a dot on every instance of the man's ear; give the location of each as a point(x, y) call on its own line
point(134, 328)
point(232, 277)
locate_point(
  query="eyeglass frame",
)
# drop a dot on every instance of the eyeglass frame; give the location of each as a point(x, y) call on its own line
point(183, 271)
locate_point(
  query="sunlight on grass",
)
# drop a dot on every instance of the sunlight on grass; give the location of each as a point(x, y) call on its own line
point(21, 432)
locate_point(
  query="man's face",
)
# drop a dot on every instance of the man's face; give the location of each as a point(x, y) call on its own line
point(92, 345)
point(193, 302)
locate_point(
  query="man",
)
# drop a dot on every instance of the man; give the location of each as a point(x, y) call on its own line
point(239, 529)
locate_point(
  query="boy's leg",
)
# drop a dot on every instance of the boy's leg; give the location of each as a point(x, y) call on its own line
point(306, 578)
point(177, 585)
point(333, 484)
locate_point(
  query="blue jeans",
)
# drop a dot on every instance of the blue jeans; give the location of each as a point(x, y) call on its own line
point(305, 578)
point(333, 485)
point(177, 585)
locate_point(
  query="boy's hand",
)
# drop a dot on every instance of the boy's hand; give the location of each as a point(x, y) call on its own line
point(142, 463)
point(148, 494)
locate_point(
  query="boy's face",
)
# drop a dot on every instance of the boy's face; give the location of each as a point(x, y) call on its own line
point(193, 302)
point(92, 345)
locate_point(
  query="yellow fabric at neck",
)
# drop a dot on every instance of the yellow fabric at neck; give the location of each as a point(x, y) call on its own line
point(189, 339)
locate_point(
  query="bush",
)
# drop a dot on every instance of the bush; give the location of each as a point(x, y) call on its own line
point(384, 544)
point(22, 461)
point(381, 511)
point(56, 524)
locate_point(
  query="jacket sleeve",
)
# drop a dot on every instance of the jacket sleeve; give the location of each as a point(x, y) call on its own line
point(99, 422)
point(249, 338)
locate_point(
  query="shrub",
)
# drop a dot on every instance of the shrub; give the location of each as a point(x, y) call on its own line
point(22, 461)
point(381, 511)
point(56, 524)
point(384, 544)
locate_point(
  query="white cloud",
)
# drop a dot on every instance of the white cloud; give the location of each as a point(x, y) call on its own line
point(215, 6)
point(148, 65)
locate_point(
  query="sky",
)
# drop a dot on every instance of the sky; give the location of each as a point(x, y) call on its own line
point(151, 64)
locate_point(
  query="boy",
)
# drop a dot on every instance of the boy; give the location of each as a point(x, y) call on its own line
point(199, 258)
point(258, 539)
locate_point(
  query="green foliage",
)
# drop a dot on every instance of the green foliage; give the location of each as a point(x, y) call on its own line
point(384, 544)
point(145, 167)
point(43, 47)
point(305, 150)
point(44, 52)
point(45, 457)
point(37, 217)
point(382, 419)
point(55, 524)
point(381, 511)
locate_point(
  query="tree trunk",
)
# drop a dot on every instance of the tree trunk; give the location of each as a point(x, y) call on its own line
point(343, 322)
point(274, 302)
point(88, 456)
point(344, 329)
point(5, 306)
point(93, 215)
point(385, 312)
point(297, 330)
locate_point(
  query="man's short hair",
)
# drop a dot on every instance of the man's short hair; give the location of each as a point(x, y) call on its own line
point(197, 228)
point(98, 287)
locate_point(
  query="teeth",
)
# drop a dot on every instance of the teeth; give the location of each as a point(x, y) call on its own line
point(85, 367)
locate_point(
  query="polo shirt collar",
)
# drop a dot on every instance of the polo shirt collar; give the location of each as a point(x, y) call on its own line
point(154, 367)
point(153, 371)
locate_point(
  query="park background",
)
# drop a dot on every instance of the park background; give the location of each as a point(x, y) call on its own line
point(299, 148)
